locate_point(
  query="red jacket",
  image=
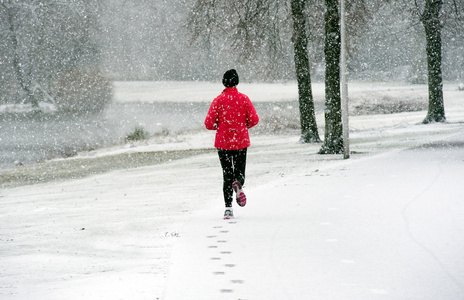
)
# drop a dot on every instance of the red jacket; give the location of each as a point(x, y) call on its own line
point(231, 114)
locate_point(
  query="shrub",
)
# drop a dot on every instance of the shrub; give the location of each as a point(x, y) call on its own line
point(138, 134)
point(81, 91)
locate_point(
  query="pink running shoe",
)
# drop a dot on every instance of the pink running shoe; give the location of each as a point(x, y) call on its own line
point(240, 195)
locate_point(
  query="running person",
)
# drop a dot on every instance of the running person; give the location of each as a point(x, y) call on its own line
point(231, 114)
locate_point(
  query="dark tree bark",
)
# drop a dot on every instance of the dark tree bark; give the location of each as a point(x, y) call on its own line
point(333, 136)
point(309, 131)
point(431, 21)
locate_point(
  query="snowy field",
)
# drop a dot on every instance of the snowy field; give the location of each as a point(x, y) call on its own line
point(385, 224)
point(171, 108)
point(158, 107)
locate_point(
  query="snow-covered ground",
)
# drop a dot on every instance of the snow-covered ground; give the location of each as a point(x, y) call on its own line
point(385, 224)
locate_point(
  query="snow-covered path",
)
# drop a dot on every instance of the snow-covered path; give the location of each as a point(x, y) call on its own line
point(382, 227)
point(385, 224)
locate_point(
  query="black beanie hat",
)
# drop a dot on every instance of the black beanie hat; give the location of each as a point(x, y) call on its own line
point(230, 78)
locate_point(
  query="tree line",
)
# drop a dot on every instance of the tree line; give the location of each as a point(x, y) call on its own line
point(68, 52)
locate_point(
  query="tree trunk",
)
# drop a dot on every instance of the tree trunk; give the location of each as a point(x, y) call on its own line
point(333, 136)
point(309, 131)
point(430, 20)
point(19, 71)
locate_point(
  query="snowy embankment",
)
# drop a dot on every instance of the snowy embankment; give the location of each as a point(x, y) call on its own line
point(386, 223)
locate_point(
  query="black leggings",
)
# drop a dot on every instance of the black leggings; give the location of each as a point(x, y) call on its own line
point(233, 163)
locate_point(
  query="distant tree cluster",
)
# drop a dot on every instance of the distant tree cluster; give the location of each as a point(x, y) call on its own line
point(50, 51)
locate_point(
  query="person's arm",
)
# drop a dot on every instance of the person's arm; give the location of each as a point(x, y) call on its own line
point(211, 121)
point(252, 116)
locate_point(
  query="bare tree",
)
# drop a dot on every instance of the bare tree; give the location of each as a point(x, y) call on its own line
point(46, 41)
point(10, 9)
point(359, 13)
point(434, 16)
point(250, 30)
point(333, 137)
point(309, 131)
point(430, 18)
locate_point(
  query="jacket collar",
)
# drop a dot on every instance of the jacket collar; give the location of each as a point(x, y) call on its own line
point(230, 90)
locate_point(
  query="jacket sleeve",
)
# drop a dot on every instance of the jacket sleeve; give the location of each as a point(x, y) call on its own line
point(212, 118)
point(252, 116)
